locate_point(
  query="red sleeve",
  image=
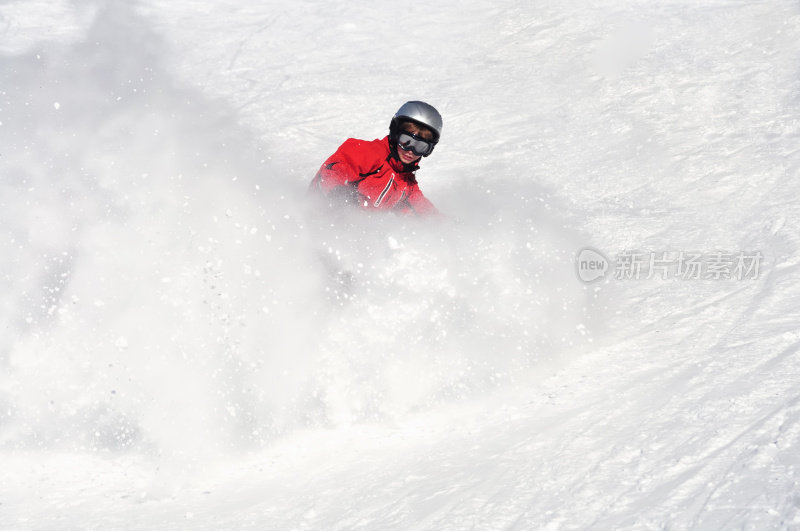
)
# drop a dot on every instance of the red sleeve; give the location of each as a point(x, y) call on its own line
point(343, 168)
point(419, 204)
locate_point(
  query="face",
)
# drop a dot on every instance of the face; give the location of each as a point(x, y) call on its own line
point(409, 157)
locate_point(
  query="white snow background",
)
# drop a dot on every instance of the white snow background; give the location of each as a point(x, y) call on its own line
point(185, 344)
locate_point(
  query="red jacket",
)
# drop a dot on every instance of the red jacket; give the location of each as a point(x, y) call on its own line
point(365, 172)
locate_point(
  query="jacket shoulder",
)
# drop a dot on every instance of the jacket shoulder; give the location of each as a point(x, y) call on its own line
point(377, 146)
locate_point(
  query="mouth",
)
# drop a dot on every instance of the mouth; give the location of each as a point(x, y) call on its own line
point(407, 157)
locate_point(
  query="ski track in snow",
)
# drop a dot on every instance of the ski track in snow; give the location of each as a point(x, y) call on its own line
point(185, 346)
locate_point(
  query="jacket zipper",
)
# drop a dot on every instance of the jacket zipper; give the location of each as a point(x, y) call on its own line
point(385, 190)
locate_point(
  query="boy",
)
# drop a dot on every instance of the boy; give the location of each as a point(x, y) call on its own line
point(379, 174)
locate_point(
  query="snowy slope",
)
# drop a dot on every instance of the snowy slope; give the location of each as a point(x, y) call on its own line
point(186, 345)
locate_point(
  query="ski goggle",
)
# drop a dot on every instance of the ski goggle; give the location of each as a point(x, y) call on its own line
point(411, 142)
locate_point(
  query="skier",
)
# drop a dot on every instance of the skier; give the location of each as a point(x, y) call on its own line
point(379, 174)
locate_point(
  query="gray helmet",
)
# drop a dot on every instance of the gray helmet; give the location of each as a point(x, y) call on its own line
point(420, 113)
